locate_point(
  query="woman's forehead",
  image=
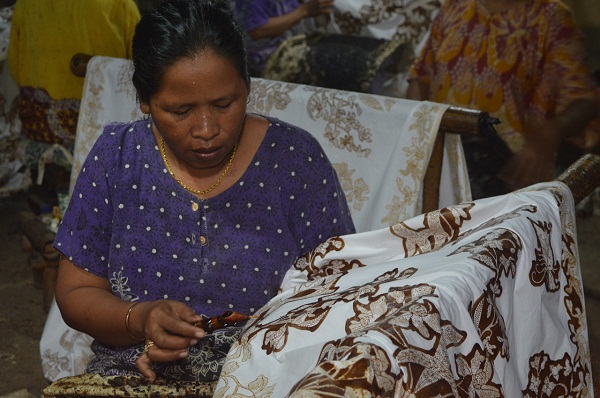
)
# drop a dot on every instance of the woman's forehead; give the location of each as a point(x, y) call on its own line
point(205, 77)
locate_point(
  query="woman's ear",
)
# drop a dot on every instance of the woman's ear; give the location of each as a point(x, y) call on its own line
point(145, 108)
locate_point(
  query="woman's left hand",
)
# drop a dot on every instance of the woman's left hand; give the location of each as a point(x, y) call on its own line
point(170, 331)
point(536, 161)
point(526, 167)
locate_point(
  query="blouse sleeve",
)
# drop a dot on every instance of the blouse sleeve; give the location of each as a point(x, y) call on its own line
point(84, 234)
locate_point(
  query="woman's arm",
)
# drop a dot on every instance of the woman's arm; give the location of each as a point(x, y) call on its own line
point(417, 90)
point(563, 84)
point(536, 161)
point(276, 26)
point(87, 304)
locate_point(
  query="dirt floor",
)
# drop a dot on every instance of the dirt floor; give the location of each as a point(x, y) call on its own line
point(22, 316)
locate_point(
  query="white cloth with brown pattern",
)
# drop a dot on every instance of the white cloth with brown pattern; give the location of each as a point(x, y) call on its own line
point(479, 299)
point(404, 20)
point(407, 21)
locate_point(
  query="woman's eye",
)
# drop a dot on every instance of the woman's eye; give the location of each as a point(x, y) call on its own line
point(180, 112)
point(223, 105)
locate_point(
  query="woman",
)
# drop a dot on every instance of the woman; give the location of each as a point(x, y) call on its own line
point(522, 61)
point(200, 209)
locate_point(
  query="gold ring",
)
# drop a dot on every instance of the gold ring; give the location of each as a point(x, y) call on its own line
point(147, 346)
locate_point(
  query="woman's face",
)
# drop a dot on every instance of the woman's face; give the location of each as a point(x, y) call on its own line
point(199, 109)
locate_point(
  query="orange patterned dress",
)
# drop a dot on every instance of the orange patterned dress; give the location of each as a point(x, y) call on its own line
point(522, 65)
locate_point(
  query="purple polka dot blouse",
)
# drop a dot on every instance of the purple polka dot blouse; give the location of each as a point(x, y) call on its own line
point(130, 222)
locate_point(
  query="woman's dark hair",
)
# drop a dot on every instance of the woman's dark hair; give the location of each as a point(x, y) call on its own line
point(179, 29)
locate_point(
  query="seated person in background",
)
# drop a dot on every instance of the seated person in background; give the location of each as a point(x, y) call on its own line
point(270, 22)
point(198, 210)
point(45, 34)
point(522, 61)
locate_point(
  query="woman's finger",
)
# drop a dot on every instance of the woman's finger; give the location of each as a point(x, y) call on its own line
point(175, 335)
point(158, 353)
point(144, 365)
point(170, 325)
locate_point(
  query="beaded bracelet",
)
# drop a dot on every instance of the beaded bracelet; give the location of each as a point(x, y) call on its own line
point(134, 337)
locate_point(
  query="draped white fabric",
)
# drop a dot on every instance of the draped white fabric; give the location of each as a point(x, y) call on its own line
point(405, 20)
point(478, 299)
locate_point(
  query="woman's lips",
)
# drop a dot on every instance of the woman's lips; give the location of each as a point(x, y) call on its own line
point(206, 154)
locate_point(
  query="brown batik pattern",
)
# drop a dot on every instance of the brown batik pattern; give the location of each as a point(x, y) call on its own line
point(497, 250)
point(475, 372)
point(544, 269)
point(439, 228)
point(306, 262)
point(365, 367)
point(490, 325)
point(367, 372)
point(574, 299)
point(392, 314)
point(426, 371)
point(344, 129)
point(310, 316)
point(555, 378)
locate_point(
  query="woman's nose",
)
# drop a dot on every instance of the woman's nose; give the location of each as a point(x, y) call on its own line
point(205, 125)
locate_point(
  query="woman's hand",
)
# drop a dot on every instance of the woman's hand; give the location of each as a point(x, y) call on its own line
point(535, 162)
point(317, 7)
point(169, 331)
point(527, 167)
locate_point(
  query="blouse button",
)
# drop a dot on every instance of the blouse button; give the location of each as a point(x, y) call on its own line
point(195, 206)
point(202, 240)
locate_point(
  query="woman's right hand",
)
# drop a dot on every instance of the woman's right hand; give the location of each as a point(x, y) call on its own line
point(317, 7)
point(168, 327)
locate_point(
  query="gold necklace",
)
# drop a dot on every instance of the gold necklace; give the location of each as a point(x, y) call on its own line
point(196, 191)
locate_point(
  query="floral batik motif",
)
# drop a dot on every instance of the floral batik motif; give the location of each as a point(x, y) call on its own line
point(479, 299)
